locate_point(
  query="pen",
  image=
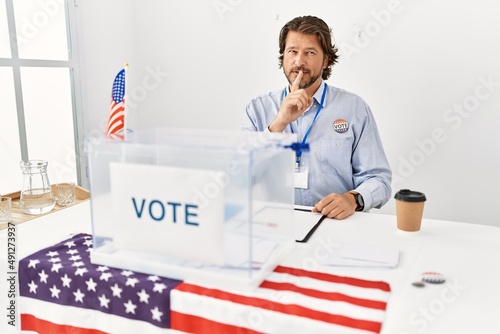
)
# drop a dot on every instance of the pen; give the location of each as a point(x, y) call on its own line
point(304, 210)
point(308, 235)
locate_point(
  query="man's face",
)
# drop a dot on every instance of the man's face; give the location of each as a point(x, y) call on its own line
point(303, 53)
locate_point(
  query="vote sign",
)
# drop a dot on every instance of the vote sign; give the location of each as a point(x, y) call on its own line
point(158, 211)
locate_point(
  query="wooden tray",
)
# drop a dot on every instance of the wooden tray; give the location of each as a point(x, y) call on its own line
point(18, 216)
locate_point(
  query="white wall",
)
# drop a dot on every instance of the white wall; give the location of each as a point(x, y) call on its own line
point(428, 69)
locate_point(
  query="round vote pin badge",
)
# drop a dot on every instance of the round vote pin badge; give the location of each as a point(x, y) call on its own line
point(432, 277)
point(340, 125)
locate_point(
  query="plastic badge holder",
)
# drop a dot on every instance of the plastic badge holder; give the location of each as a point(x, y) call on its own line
point(199, 205)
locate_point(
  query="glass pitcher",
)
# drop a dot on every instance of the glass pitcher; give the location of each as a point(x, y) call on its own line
point(36, 194)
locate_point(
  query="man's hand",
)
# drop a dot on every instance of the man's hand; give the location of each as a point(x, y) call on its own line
point(338, 206)
point(293, 106)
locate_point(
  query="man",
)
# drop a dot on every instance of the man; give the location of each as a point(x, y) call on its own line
point(346, 169)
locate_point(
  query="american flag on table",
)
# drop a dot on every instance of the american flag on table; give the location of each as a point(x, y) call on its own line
point(62, 292)
point(290, 300)
point(115, 127)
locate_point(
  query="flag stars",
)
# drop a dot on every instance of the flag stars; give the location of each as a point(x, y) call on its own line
point(153, 278)
point(80, 271)
point(52, 253)
point(75, 281)
point(78, 296)
point(156, 314)
point(143, 296)
point(159, 287)
point(70, 244)
point(43, 276)
point(103, 301)
point(129, 307)
point(33, 263)
point(105, 276)
point(33, 287)
point(118, 90)
point(131, 281)
point(91, 285)
point(66, 280)
point(75, 257)
point(56, 267)
point(78, 264)
point(117, 291)
point(127, 273)
point(54, 292)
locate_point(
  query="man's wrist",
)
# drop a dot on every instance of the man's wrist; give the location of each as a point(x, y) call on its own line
point(358, 199)
point(276, 126)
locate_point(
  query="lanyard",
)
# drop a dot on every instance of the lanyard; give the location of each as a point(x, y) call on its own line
point(298, 152)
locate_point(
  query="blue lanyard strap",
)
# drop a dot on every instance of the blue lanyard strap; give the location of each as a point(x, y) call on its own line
point(298, 152)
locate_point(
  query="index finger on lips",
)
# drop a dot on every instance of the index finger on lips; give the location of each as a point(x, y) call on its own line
point(296, 82)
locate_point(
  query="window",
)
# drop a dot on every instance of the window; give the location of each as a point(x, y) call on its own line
point(38, 76)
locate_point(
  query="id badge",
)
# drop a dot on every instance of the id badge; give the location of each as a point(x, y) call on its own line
point(301, 178)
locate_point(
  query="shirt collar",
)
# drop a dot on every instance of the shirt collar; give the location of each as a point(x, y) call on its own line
point(317, 96)
point(319, 93)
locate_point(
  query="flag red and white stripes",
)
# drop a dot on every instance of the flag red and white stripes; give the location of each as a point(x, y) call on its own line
point(290, 300)
point(115, 127)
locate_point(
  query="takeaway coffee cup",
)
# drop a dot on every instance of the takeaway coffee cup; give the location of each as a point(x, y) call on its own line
point(409, 209)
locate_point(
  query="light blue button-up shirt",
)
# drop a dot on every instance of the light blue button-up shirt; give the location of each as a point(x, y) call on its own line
point(337, 161)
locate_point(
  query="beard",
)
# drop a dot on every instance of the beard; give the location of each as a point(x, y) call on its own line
point(302, 84)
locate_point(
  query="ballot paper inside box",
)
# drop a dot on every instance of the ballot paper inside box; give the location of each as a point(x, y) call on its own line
point(181, 203)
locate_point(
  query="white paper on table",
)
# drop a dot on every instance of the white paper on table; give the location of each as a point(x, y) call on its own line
point(261, 250)
point(303, 220)
point(362, 255)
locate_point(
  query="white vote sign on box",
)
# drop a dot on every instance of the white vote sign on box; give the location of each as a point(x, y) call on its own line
point(158, 211)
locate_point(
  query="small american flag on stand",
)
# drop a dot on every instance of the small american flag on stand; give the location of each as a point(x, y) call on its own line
point(116, 122)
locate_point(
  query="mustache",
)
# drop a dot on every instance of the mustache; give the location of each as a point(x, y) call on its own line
point(299, 68)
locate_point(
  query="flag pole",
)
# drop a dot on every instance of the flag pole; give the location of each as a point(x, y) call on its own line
point(125, 109)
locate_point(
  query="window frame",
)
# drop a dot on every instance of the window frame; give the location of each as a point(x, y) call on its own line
point(72, 64)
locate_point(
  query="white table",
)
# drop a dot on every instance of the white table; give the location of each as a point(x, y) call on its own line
point(467, 255)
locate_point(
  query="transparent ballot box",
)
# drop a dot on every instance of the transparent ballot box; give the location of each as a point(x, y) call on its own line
point(199, 205)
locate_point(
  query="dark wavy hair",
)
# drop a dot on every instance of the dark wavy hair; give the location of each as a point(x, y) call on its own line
point(311, 25)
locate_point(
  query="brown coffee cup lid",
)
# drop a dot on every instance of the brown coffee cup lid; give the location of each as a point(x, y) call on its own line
point(407, 195)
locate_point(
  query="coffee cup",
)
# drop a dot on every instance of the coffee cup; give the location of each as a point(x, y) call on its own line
point(409, 209)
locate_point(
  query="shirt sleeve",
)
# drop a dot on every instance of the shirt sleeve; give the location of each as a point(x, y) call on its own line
point(248, 123)
point(259, 113)
point(371, 171)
